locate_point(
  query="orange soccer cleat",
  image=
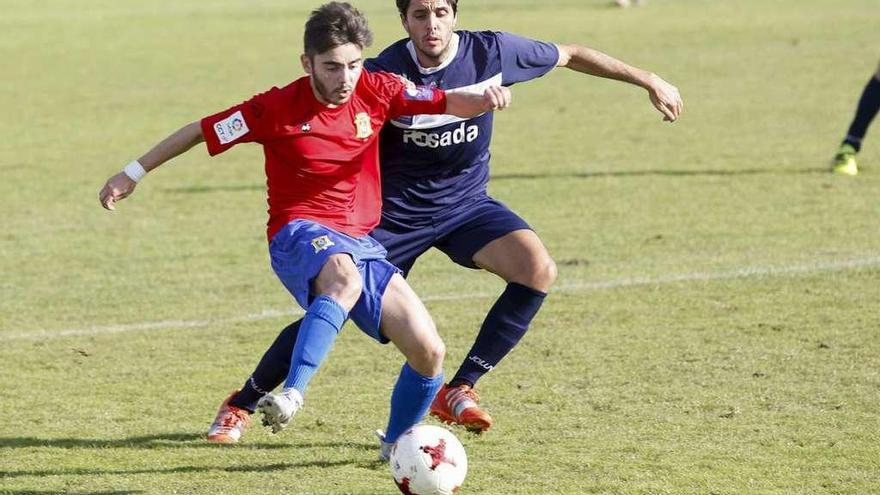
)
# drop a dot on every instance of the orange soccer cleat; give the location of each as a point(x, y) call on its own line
point(229, 423)
point(460, 405)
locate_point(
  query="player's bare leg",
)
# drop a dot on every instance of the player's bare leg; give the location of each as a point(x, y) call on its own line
point(407, 324)
point(521, 259)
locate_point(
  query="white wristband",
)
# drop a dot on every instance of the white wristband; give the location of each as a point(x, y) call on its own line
point(135, 171)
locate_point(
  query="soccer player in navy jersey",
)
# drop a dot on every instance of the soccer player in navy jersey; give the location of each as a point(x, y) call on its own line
point(434, 173)
point(319, 135)
point(844, 161)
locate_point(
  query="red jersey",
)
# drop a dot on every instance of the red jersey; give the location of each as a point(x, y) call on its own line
point(322, 164)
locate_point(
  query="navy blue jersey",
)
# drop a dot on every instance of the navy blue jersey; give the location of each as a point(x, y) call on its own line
point(434, 162)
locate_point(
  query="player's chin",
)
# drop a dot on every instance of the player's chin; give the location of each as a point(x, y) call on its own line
point(432, 48)
point(341, 98)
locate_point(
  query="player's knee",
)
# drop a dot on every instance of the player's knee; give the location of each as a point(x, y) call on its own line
point(428, 361)
point(542, 273)
point(349, 290)
point(548, 272)
point(340, 280)
point(434, 356)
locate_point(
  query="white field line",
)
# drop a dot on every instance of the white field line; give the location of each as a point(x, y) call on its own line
point(745, 272)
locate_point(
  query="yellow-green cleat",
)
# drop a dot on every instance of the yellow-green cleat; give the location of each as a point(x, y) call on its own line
point(844, 161)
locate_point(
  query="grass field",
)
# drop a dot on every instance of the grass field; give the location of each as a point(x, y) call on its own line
point(715, 325)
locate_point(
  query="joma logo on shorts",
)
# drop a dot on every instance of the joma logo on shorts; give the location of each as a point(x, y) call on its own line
point(481, 363)
point(436, 140)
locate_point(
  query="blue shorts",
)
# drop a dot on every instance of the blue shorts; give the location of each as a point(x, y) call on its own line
point(459, 233)
point(299, 251)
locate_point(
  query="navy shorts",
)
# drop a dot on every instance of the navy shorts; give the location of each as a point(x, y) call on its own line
point(459, 234)
point(299, 251)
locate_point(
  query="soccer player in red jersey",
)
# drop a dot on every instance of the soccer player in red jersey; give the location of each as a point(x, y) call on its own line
point(435, 171)
point(319, 135)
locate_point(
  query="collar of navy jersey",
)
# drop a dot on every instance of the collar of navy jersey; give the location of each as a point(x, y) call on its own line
point(453, 51)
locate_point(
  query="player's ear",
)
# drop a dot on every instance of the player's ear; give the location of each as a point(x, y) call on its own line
point(306, 63)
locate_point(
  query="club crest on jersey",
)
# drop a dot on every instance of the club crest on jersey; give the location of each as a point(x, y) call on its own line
point(363, 126)
point(322, 243)
point(306, 127)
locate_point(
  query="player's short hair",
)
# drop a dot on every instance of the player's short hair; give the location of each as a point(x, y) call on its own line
point(403, 6)
point(335, 24)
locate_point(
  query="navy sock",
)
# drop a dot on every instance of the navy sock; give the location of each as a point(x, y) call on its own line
point(318, 332)
point(869, 104)
point(503, 327)
point(270, 372)
point(410, 399)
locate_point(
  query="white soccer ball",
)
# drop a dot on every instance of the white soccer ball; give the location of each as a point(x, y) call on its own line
point(428, 460)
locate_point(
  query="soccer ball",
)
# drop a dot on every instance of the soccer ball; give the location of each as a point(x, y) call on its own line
point(428, 460)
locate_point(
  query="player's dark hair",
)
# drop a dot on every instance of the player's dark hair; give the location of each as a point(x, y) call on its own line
point(403, 6)
point(335, 24)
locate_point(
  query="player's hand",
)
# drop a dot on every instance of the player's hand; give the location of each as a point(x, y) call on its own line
point(118, 187)
point(665, 98)
point(497, 97)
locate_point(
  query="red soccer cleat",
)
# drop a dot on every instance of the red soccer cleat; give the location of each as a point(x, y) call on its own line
point(460, 405)
point(229, 423)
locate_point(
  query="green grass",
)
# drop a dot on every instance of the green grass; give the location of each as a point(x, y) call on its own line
point(661, 365)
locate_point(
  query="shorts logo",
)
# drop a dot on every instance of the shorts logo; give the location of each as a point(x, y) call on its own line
point(363, 125)
point(306, 127)
point(231, 128)
point(321, 243)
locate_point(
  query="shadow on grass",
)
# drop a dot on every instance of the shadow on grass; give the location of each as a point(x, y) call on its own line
point(164, 441)
point(55, 492)
point(210, 189)
point(554, 175)
point(264, 468)
point(659, 173)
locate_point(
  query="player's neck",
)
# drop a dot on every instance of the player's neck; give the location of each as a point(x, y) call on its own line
point(427, 61)
point(320, 98)
point(322, 101)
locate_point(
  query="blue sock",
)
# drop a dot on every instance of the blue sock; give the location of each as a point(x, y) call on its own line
point(318, 331)
point(503, 327)
point(410, 399)
point(869, 105)
point(271, 371)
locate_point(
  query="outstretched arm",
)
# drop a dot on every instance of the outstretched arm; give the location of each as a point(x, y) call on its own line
point(121, 185)
point(664, 96)
point(467, 105)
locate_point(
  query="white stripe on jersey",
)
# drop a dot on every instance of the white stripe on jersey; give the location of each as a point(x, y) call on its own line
point(432, 121)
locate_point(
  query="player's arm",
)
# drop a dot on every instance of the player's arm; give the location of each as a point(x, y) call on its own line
point(415, 100)
point(467, 105)
point(664, 96)
point(122, 184)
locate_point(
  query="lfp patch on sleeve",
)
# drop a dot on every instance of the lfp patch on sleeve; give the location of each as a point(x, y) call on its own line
point(231, 128)
point(420, 93)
